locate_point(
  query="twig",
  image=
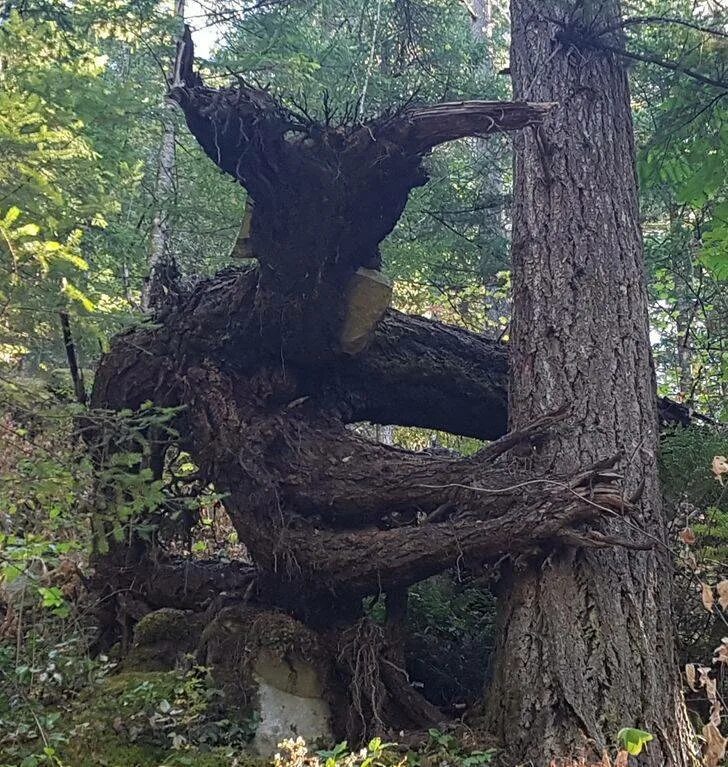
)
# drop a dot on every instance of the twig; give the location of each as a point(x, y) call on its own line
point(79, 387)
point(518, 486)
point(664, 63)
point(637, 20)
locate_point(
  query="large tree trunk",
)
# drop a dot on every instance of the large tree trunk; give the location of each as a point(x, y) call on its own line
point(585, 645)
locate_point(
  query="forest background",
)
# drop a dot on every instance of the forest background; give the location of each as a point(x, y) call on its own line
point(86, 189)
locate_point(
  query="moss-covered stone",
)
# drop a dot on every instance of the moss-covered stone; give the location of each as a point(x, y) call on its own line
point(241, 638)
point(162, 639)
point(271, 667)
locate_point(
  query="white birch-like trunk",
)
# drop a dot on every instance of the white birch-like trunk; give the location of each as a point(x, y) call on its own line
point(160, 255)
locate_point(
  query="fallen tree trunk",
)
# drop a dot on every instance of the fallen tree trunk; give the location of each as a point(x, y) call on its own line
point(253, 360)
point(415, 371)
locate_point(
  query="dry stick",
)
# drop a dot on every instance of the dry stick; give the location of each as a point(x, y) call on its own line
point(664, 63)
point(370, 61)
point(636, 20)
point(76, 372)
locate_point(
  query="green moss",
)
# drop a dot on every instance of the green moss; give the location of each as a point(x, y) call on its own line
point(106, 751)
point(106, 729)
point(274, 631)
point(218, 757)
point(114, 752)
point(162, 681)
point(158, 625)
point(162, 638)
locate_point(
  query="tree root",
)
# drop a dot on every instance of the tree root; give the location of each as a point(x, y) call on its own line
point(381, 696)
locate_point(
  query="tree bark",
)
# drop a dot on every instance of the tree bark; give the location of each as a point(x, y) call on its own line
point(585, 645)
point(254, 360)
point(160, 257)
point(415, 371)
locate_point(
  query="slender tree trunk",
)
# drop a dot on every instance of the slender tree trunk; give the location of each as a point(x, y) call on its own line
point(685, 317)
point(488, 155)
point(79, 387)
point(683, 324)
point(481, 19)
point(585, 645)
point(159, 246)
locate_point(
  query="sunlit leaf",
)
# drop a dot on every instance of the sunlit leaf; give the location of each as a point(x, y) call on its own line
point(634, 740)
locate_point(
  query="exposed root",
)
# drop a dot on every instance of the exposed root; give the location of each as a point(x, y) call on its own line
point(361, 649)
point(380, 693)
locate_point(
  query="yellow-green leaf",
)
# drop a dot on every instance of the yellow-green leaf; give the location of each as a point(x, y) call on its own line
point(28, 230)
point(76, 295)
point(11, 216)
point(633, 740)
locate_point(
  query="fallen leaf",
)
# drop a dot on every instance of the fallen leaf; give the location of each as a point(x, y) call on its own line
point(722, 589)
point(704, 672)
point(715, 710)
point(622, 759)
point(707, 595)
point(720, 467)
point(690, 675)
point(687, 536)
point(715, 745)
point(711, 690)
point(720, 654)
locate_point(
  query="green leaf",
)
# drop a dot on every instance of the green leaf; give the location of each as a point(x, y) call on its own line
point(76, 295)
point(11, 216)
point(633, 740)
point(717, 264)
point(52, 597)
point(28, 230)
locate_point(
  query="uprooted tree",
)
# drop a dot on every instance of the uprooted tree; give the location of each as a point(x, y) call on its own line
point(271, 364)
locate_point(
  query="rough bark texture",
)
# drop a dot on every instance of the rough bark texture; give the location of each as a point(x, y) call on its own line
point(585, 646)
point(255, 358)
